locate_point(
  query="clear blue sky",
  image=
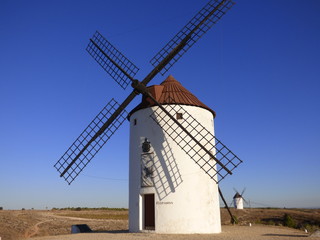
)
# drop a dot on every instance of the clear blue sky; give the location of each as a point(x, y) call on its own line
point(258, 68)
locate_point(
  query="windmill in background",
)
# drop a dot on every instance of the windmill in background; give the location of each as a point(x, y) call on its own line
point(176, 161)
point(238, 199)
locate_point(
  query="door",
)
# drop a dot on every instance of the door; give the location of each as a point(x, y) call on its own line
point(149, 216)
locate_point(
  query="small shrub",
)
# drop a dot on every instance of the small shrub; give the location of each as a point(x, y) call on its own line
point(1, 208)
point(311, 228)
point(289, 221)
point(234, 220)
point(258, 221)
point(271, 222)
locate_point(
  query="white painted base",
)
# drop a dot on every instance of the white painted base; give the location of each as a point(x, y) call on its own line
point(186, 198)
point(238, 203)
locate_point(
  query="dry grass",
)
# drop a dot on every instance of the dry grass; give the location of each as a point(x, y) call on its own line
point(95, 214)
point(304, 218)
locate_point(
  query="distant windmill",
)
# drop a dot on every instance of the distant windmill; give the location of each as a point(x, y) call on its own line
point(174, 155)
point(238, 199)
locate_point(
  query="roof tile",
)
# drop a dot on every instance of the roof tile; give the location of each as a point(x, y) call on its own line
point(170, 91)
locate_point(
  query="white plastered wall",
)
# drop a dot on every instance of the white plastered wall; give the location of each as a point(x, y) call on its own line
point(238, 203)
point(186, 198)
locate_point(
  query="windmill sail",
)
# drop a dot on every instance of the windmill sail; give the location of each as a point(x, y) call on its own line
point(122, 71)
point(224, 161)
point(120, 68)
point(76, 158)
point(190, 34)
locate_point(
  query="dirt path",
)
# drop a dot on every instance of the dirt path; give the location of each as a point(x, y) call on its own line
point(51, 224)
point(34, 229)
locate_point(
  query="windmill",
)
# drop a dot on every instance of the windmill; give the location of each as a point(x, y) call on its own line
point(238, 199)
point(156, 177)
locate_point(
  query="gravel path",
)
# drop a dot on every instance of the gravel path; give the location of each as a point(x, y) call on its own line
point(256, 232)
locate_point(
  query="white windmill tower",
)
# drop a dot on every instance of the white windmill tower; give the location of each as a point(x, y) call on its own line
point(176, 162)
point(238, 199)
point(167, 190)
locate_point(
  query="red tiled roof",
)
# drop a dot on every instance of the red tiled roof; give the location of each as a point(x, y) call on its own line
point(170, 91)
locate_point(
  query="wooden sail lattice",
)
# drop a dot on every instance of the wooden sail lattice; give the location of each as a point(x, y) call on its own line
point(76, 148)
point(210, 166)
point(206, 18)
point(123, 71)
point(120, 68)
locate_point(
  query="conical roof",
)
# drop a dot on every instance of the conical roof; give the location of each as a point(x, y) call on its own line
point(170, 91)
point(237, 195)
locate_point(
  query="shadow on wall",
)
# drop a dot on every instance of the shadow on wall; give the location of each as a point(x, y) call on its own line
point(168, 176)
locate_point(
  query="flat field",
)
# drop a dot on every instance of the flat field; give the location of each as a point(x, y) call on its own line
point(43, 225)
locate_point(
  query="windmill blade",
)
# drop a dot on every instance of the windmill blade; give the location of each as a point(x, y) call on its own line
point(90, 141)
point(233, 220)
point(243, 191)
point(190, 34)
point(120, 68)
point(197, 142)
point(123, 71)
point(235, 190)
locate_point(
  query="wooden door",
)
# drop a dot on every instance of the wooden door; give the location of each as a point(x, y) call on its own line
point(149, 216)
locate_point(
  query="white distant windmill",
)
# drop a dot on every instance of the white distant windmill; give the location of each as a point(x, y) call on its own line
point(238, 199)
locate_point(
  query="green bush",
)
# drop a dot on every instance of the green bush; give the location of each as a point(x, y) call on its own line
point(289, 221)
point(311, 227)
point(270, 222)
point(234, 220)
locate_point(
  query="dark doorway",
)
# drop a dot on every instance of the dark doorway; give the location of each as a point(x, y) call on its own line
point(149, 223)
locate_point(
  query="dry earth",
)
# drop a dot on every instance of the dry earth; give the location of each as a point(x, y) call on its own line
point(229, 232)
point(112, 224)
point(15, 225)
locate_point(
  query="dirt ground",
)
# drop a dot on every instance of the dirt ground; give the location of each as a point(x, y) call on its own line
point(229, 232)
point(15, 225)
point(112, 224)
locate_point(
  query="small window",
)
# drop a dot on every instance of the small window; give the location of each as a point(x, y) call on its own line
point(135, 122)
point(179, 116)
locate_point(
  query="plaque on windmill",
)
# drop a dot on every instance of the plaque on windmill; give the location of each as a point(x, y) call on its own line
point(147, 170)
point(146, 146)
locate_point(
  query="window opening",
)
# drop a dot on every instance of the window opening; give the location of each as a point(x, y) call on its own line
point(179, 116)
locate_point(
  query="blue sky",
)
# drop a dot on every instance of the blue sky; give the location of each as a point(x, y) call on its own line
point(258, 68)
